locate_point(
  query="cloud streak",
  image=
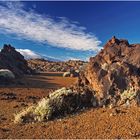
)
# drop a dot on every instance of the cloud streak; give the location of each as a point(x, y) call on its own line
point(14, 19)
point(28, 54)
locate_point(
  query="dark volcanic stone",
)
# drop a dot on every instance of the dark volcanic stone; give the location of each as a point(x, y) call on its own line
point(13, 60)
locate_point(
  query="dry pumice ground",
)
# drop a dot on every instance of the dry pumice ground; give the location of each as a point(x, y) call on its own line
point(123, 122)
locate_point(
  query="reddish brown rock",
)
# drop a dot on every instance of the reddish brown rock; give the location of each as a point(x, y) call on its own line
point(115, 68)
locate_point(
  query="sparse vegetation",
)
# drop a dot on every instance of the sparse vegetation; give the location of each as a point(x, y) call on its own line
point(59, 103)
point(105, 66)
point(129, 94)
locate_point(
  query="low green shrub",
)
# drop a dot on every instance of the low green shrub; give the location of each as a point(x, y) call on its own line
point(129, 94)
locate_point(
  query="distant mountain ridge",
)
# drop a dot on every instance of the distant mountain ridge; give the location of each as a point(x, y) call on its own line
point(55, 66)
point(50, 59)
point(29, 54)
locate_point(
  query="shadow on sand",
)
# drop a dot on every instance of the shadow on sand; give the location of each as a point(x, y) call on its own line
point(42, 80)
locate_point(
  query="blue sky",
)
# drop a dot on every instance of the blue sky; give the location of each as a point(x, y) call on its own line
point(67, 30)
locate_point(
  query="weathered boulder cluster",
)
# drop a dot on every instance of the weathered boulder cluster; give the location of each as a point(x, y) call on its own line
point(41, 65)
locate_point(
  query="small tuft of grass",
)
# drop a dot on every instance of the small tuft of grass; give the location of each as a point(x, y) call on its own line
point(129, 94)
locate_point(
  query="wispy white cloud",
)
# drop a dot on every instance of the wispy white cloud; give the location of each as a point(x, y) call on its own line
point(72, 58)
point(14, 19)
point(28, 54)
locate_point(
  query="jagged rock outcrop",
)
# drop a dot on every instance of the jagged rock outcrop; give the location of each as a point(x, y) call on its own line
point(13, 60)
point(115, 69)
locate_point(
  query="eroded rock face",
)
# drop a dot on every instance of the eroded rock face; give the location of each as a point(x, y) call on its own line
point(13, 60)
point(115, 69)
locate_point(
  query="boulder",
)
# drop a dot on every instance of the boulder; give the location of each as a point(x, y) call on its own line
point(72, 73)
point(6, 76)
point(14, 61)
point(113, 70)
point(66, 74)
point(5, 73)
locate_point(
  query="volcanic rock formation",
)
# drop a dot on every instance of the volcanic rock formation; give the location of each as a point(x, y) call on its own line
point(115, 69)
point(13, 60)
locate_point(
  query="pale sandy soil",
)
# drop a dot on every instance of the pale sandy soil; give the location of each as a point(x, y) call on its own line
point(92, 123)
